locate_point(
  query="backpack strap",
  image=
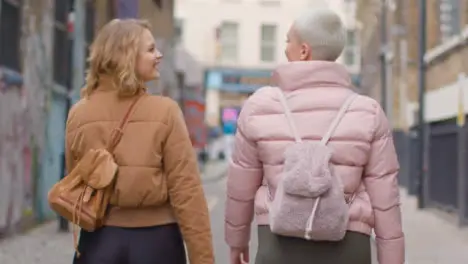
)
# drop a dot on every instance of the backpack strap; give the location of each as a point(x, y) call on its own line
point(344, 108)
point(116, 134)
point(332, 127)
point(115, 137)
point(287, 112)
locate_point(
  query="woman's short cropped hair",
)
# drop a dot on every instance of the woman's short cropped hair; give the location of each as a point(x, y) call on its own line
point(114, 53)
point(323, 31)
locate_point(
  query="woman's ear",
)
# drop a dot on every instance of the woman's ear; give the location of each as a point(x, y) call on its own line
point(305, 52)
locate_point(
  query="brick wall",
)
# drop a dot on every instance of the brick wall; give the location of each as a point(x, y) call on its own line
point(367, 15)
point(440, 72)
point(445, 69)
point(161, 19)
point(162, 22)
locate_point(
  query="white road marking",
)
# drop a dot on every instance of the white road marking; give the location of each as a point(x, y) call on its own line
point(223, 183)
point(212, 202)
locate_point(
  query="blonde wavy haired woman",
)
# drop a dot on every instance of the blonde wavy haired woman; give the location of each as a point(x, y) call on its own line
point(158, 201)
point(314, 87)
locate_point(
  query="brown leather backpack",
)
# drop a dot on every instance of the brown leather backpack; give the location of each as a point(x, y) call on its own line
point(82, 197)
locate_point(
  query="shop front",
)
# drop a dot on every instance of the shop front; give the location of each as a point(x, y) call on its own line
point(226, 91)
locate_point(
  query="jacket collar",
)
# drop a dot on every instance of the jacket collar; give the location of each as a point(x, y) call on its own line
point(311, 74)
point(108, 83)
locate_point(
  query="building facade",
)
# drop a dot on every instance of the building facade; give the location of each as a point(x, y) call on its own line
point(352, 52)
point(239, 43)
point(35, 87)
point(443, 177)
point(446, 43)
point(160, 14)
point(26, 88)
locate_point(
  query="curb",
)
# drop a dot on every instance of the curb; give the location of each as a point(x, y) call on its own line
point(25, 227)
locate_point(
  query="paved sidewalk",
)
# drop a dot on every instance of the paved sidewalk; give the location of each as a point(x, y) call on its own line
point(44, 245)
point(431, 237)
point(214, 170)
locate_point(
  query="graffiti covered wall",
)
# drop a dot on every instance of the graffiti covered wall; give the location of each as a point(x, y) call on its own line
point(16, 184)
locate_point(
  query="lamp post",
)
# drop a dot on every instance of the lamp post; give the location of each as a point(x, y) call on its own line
point(383, 55)
point(421, 88)
point(76, 27)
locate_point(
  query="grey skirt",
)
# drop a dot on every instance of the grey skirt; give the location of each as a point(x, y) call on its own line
point(355, 248)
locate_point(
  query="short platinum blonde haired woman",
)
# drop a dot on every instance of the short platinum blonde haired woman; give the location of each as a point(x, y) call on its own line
point(363, 157)
point(158, 189)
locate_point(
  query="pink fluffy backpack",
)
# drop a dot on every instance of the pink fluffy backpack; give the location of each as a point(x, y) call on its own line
point(309, 201)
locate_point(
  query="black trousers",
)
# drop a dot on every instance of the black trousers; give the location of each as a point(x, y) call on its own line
point(355, 248)
point(116, 245)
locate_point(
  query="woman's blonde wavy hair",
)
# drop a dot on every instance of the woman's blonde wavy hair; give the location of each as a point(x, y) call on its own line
point(114, 53)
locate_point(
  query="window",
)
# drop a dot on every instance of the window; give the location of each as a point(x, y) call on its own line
point(349, 57)
point(351, 48)
point(228, 38)
point(268, 43)
point(158, 3)
point(466, 14)
point(270, 2)
point(449, 18)
point(351, 37)
point(62, 43)
point(179, 30)
point(111, 9)
point(10, 34)
point(90, 23)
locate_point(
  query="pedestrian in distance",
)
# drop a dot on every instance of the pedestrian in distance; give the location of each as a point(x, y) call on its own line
point(314, 162)
point(157, 202)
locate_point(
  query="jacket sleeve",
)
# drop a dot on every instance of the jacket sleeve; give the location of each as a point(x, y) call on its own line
point(185, 189)
point(244, 179)
point(70, 134)
point(381, 183)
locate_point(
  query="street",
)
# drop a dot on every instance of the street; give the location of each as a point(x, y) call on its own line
point(430, 238)
point(217, 191)
point(44, 245)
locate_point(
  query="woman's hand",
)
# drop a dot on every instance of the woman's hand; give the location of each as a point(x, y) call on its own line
point(239, 255)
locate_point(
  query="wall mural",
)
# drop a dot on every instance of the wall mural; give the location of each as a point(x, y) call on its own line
point(16, 185)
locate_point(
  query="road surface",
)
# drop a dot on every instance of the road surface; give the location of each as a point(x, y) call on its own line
point(430, 238)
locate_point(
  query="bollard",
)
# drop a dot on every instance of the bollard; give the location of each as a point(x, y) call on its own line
point(63, 223)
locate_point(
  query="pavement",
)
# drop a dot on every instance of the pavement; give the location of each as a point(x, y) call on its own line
point(431, 238)
point(214, 171)
point(44, 245)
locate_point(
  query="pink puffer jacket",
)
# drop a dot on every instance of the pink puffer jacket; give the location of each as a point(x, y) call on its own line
point(363, 153)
